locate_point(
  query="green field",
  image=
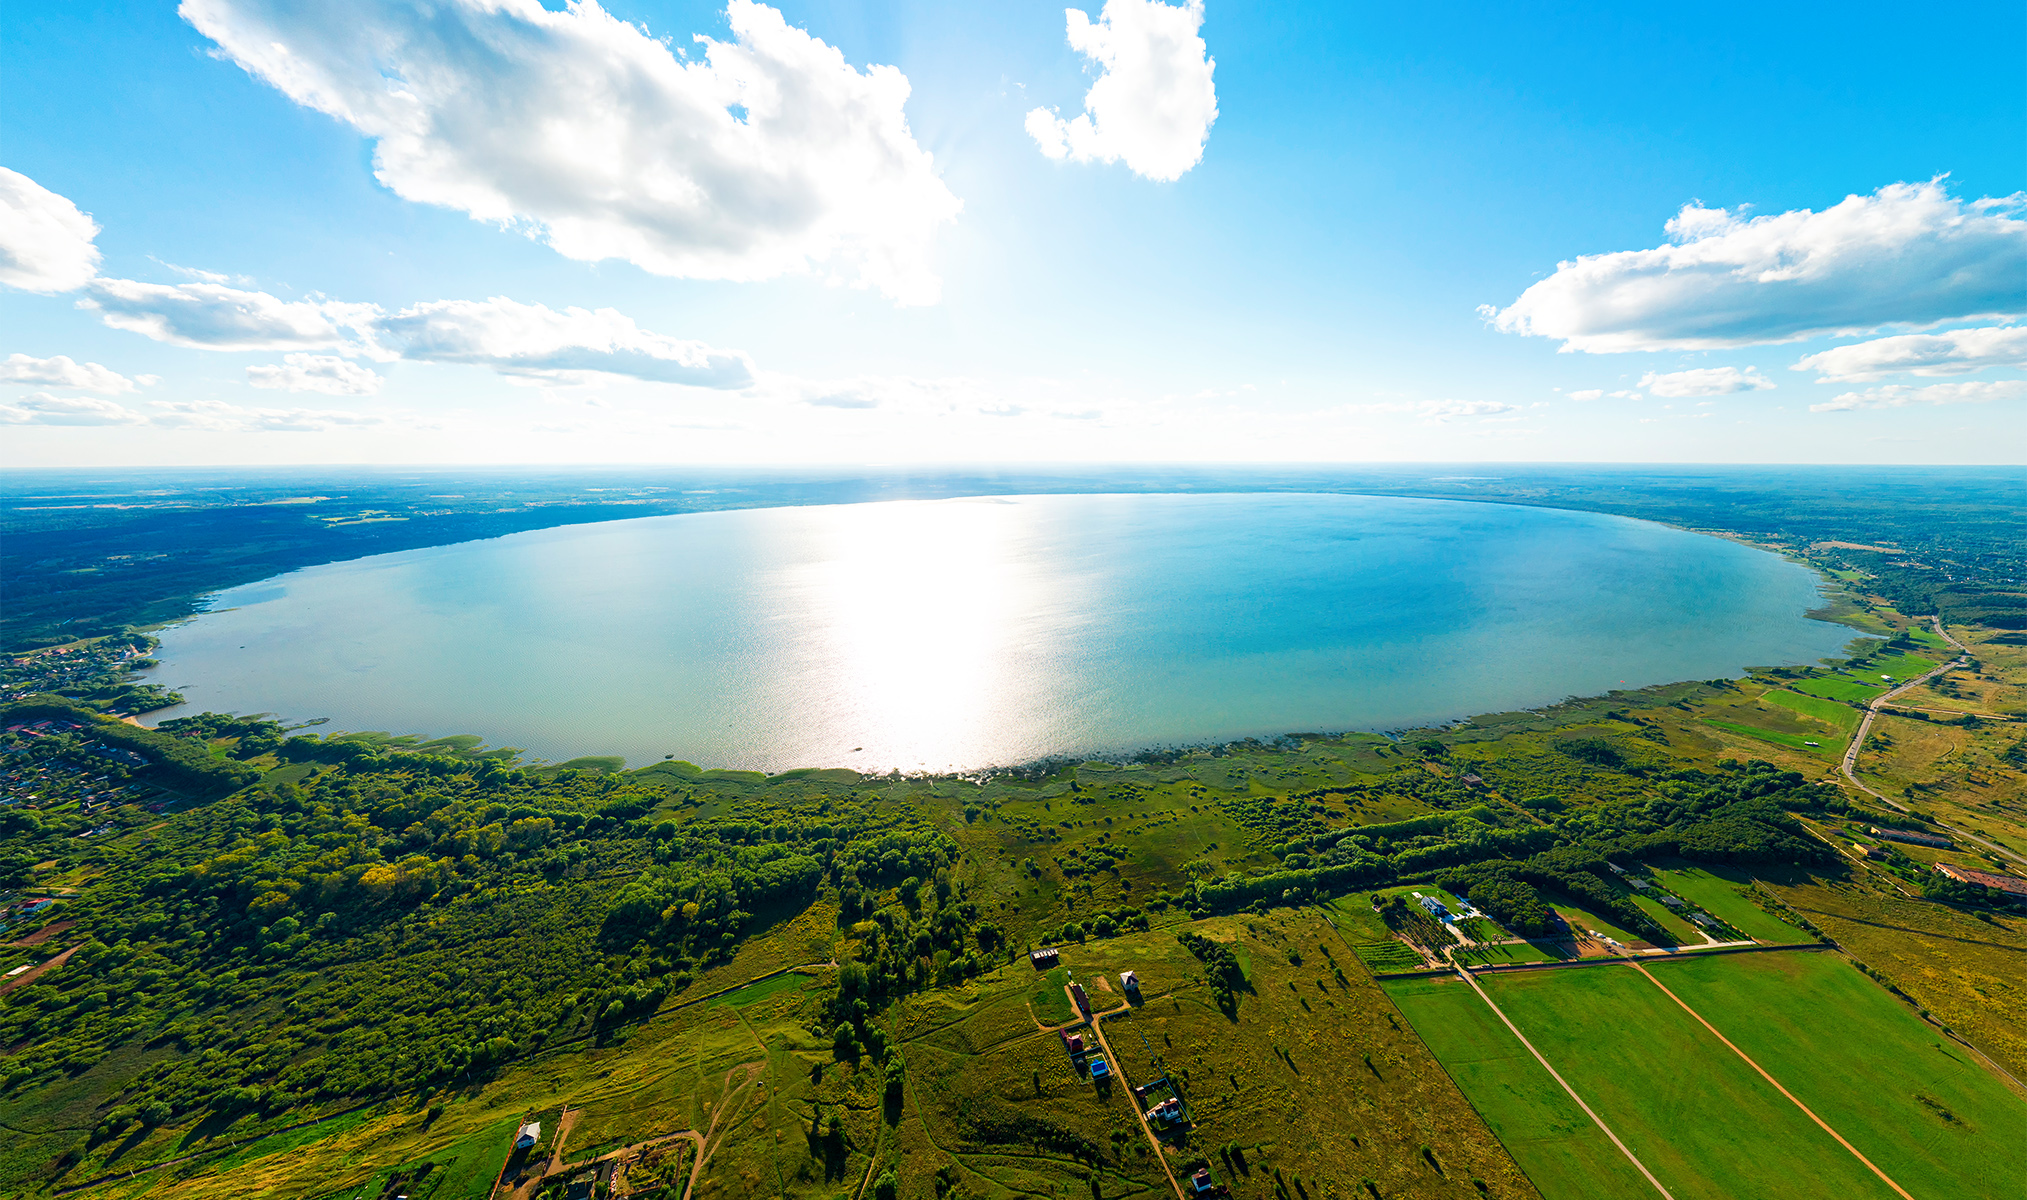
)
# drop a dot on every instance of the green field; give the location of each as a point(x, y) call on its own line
point(1917, 1104)
point(1704, 1122)
point(1838, 687)
point(1686, 933)
point(1715, 890)
point(1696, 1114)
point(1841, 717)
point(1565, 1155)
point(1789, 740)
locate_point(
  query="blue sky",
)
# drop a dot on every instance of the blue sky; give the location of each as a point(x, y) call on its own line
point(1307, 286)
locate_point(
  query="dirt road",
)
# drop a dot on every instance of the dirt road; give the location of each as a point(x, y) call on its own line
point(1872, 710)
point(1098, 1029)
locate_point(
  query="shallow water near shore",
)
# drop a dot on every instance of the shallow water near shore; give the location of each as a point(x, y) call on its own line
point(959, 634)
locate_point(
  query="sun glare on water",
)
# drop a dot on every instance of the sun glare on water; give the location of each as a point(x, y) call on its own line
point(924, 629)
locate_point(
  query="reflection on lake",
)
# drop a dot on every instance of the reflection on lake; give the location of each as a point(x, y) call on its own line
point(964, 633)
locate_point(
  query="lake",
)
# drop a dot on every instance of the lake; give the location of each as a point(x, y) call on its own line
point(958, 634)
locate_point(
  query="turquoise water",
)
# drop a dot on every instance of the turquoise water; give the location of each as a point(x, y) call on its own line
point(956, 634)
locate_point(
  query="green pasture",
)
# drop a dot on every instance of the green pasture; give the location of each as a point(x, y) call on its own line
point(1566, 1156)
point(1705, 1123)
point(1917, 1104)
point(1715, 890)
point(1685, 932)
point(1788, 740)
point(756, 992)
point(1838, 687)
point(1841, 717)
point(1581, 919)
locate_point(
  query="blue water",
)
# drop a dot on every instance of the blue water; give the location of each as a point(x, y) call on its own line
point(957, 634)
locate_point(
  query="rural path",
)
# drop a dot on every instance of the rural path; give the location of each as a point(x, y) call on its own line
point(1557, 1075)
point(1806, 1110)
point(30, 976)
point(530, 1181)
point(1098, 1028)
point(1872, 710)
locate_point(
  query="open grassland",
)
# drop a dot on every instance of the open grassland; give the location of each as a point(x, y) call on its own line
point(1717, 890)
point(1703, 1121)
point(1840, 717)
point(1563, 1152)
point(1917, 1104)
point(1969, 973)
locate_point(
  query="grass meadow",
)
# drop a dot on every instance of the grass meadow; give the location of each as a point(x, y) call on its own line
point(1715, 889)
point(1706, 1124)
point(1915, 1102)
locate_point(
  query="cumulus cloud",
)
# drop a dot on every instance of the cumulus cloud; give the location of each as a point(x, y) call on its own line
point(1705, 381)
point(1153, 103)
point(329, 374)
point(533, 339)
point(760, 157)
point(217, 416)
point(1910, 254)
point(41, 408)
point(1908, 396)
point(211, 316)
point(1587, 394)
point(64, 372)
point(45, 242)
point(1957, 352)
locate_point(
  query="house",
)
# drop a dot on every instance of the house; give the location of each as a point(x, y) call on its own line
point(1434, 906)
point(1074, 1042)
point(1083, 1002)
point(1100, 1069)
point(1044, 958)
point(1202, 1184)
point(529, 1135)
point(1912, 837)
point(1130, 982)
point(2010, 884)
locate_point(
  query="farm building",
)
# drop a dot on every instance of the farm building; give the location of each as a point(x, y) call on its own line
point(1083, 1001)
point(1100, 1069)
point(2011, 885)
point(1129, 981)
point(1911, 837)
point(1074, 1042)
point(529, 1135)
point(1044, 958)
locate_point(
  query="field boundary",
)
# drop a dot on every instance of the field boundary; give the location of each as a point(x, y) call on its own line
point(1792, 1098)
point(1604, 960)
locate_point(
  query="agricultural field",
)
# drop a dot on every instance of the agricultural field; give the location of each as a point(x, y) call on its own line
point(1701, 1119)
point(1716, 890)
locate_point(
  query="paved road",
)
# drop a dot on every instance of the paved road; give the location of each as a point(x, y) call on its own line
point(1850, 763)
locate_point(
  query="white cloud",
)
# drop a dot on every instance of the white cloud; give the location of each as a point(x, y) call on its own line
point(41, 408)
point(1153, 102)
point(1907, 396)
point(324, 373)
point(219, 417)
point(763, 156)
point(1957, 352)
point(1587, 394)
point(45, 242)
point(64, 372)
point(1705, 381)
point(210, 316)
point(533, 339)
point(1909, 254)
point(505, 334)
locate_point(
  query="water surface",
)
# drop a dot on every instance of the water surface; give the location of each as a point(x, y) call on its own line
point(956, 634)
